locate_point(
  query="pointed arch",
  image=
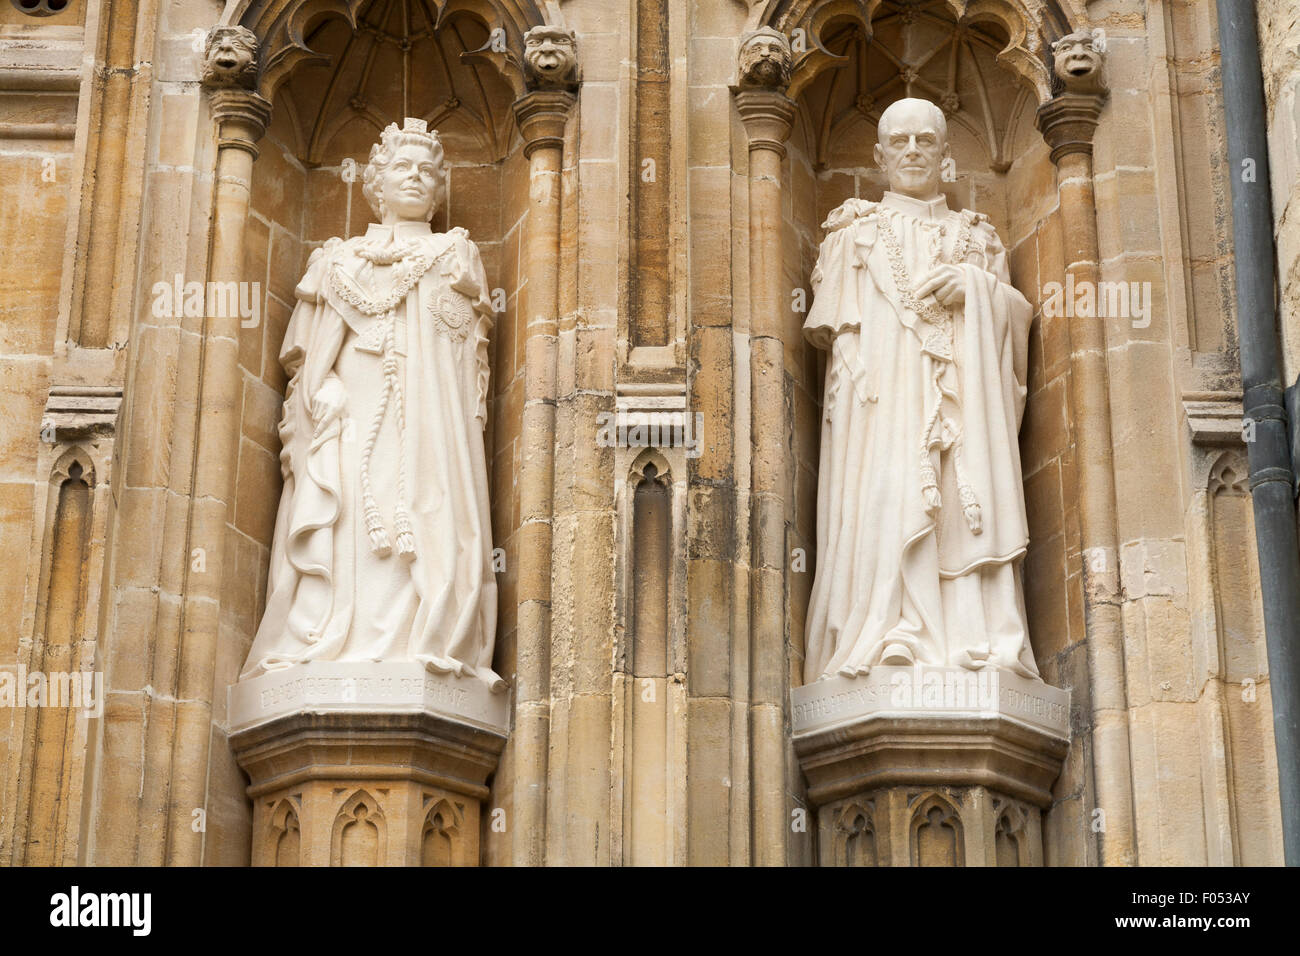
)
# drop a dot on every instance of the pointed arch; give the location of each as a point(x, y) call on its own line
point(359, 835)
point(286, 832)
point(937, 837)
point(855, 835)
point(284, 29)
point(442, 833)
point(1030, 26)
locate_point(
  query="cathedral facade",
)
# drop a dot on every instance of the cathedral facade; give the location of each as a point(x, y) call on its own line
point(634, 202)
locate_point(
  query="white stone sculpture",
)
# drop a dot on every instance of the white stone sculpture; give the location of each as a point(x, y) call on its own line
point(921, 522)
point(383, 542)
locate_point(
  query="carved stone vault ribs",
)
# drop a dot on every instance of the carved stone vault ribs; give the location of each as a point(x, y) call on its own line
point(920, 50)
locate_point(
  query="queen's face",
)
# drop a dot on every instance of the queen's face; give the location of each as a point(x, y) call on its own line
point(911, 151)
point(406, 187)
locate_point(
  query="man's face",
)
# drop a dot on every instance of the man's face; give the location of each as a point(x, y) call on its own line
point(549, 52)
point(911, 150)
point(1075, 56)
point(765, 61)
point(407, 185)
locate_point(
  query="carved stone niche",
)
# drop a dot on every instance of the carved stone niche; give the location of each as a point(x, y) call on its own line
point(930, 766)
point(366, 763)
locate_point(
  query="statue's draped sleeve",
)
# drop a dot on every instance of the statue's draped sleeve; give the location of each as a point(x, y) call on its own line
point(315, 334)
point(989, 257)
point(470, 280)
point(309, 461)
point(836, 307)
point(837, 296)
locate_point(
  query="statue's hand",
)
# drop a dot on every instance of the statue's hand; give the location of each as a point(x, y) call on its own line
point(328, 403)
point(946, 283)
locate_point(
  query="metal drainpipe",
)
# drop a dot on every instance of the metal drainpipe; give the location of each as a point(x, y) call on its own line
point(1270, 463)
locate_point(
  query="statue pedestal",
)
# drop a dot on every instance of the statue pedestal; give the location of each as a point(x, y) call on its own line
point(930, 766)
point(366, 764)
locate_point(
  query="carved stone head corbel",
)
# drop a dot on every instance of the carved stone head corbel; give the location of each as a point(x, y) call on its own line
point(765, 60)
point(1077, 61)
point(550, 58)
point(230, 58)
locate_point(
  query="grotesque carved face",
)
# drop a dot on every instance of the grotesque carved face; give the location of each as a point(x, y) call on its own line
point(765, 60)
point(231, 57)
point(1076, 59)
point(913, 143)
point(407, 186)
point(550, 55)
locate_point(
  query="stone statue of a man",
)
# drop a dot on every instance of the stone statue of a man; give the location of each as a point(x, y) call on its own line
point(921, 522)
point(383, 541)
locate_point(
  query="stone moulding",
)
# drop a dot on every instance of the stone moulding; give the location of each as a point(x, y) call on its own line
point(79, 411)
point(407, 785)
point(856, 735)
point(426, 748)
point(890, 750)
point(365, 687)
point(1214, 418)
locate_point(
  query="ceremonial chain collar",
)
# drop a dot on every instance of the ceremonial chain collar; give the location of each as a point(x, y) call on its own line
point(903, 282)
point(961, 248)
point(382, 254)
point(938, 344)
point(374, 254)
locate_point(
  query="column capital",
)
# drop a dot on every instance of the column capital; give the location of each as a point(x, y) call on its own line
point(541, 116)
point(241, 116)
point(768, 116)
point(1068, 122)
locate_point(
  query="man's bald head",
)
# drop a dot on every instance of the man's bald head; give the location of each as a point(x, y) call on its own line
point(912, 142)
point(912, 107)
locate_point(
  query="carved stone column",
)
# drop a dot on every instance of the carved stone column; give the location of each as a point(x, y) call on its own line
point(1068, 122)
point(366, 764)
point(240, 116)
point(930, 766)
point(541, 115)
point(768, 115)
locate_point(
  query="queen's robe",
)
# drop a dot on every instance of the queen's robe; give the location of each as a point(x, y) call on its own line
point(331, 594)
point(906, 571)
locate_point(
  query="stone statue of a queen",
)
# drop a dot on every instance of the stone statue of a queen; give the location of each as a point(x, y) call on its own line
point(921, 522)
point(383, 544)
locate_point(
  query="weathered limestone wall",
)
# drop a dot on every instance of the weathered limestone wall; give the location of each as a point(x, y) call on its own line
point(1200, 760)
point(274, 258)
point(808, 199)
point(142, 653)
point(1279, 47)
point(1053, 569)
point(719, 532)
point(40, 752)
point(36, 153)
point(582, 812)
point(501, 259)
